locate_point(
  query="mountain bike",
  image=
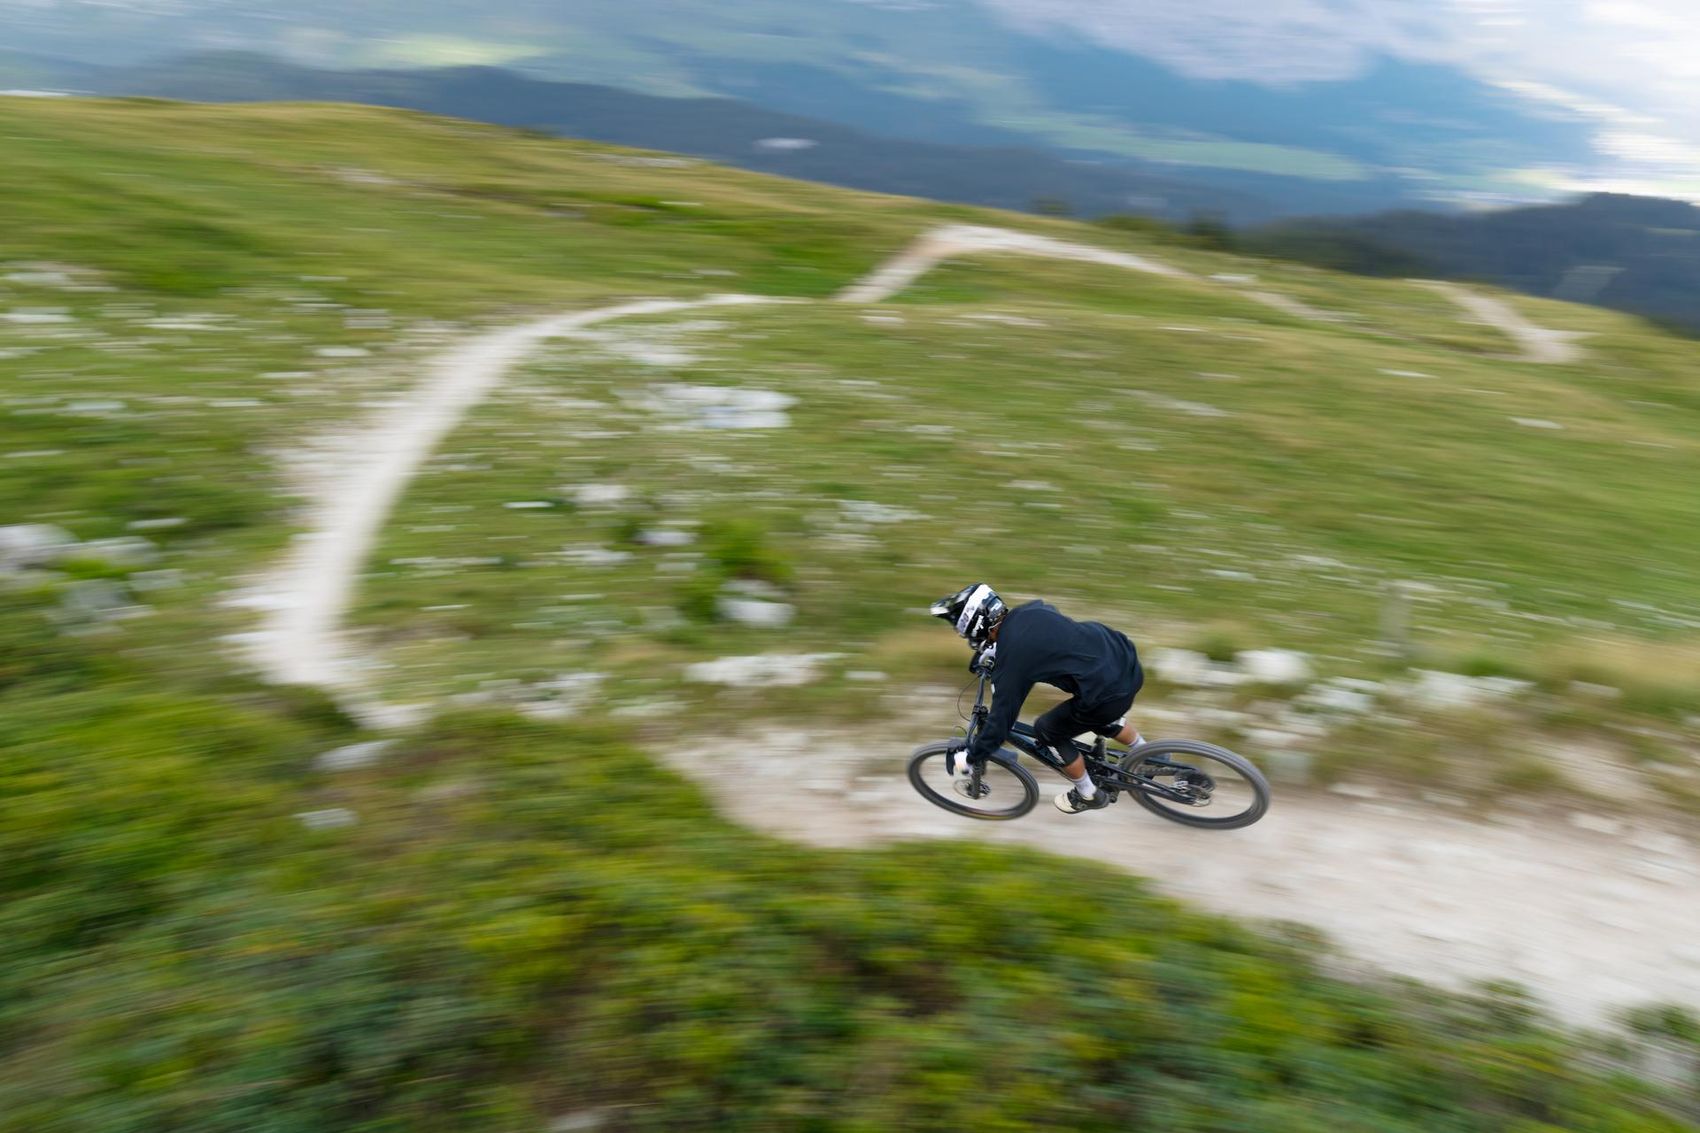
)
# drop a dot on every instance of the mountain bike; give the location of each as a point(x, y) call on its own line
point(1185, 781)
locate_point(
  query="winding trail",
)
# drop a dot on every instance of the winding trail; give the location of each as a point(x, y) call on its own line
point(953, 240)
point(1568, 911)
point(301, 641)
point(1540, 344)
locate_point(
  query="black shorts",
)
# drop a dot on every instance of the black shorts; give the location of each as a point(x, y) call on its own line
point(1104, 718)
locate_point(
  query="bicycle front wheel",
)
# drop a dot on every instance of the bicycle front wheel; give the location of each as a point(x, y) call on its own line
point(1195, 784)
point(1003, 790)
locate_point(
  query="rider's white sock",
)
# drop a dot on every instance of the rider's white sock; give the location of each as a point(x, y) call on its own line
point(1085, 785)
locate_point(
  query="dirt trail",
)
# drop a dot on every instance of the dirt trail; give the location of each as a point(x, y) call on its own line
point(301, 640)
point(1590, 921)
point(1540, 344)
point(953, 240)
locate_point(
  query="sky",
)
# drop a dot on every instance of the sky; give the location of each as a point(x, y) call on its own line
point(1630, 67)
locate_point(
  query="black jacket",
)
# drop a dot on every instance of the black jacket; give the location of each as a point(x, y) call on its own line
point(1095, 663)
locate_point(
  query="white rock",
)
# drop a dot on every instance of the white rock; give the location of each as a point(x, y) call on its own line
point(24, 545)
point(122, 551)
point(353, 757)
point(1536, 423)
point(665, 537)
point(341, 352)
point(867, 511)
point(754, 611)
point(98, 599)
point(594, 556)
point(1355, 790)
point(599, 495)
point(47, 315)
point(328, 819)
point(762, 670)
point(1332, 697)
point(559, 697)
point(1597, 823)
point(1432, 689)
point(1188, 668)
point(1275, 666)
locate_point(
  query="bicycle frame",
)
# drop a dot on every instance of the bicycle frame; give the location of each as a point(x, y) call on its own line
point(1106, 774)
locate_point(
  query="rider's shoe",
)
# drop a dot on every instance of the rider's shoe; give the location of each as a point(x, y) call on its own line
point(1070, 802)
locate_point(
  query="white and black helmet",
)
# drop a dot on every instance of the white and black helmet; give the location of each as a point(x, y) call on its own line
point(973, 610)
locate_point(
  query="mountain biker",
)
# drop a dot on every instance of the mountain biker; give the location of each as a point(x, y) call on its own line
point(1035, 643)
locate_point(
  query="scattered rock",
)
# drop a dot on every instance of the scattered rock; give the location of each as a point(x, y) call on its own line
point(754, 611)
point(762, 670)
point(1355, 790)
point(1438, 690)
point(718, 407)
point(121, 551)
point(38, 316)
point(1597, 823)
point(1340, 698)
point(25, 545)
point(1275, 666)
point(97, 600)
point(867, 511)
point(598, 495)
point(330, 818)
point(559, 697)
point(594, 556)
point(665, 537)
point(353, 757)
point(1188, 668)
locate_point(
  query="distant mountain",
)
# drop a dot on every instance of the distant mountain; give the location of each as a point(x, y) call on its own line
point(1635, 254)
point(725, 130)
point(959, 72)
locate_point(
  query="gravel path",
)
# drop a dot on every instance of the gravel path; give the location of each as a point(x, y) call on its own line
point(1589, 917)
point(1540, 344)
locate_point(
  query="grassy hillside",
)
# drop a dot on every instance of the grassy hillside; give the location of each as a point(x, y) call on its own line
point(507, 922)
point(493, 930)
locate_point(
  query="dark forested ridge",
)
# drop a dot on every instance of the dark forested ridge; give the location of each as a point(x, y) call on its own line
point(1635, 254)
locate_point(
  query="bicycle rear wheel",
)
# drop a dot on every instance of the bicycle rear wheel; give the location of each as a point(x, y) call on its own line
point(1195, 784)
point(1004, 789)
